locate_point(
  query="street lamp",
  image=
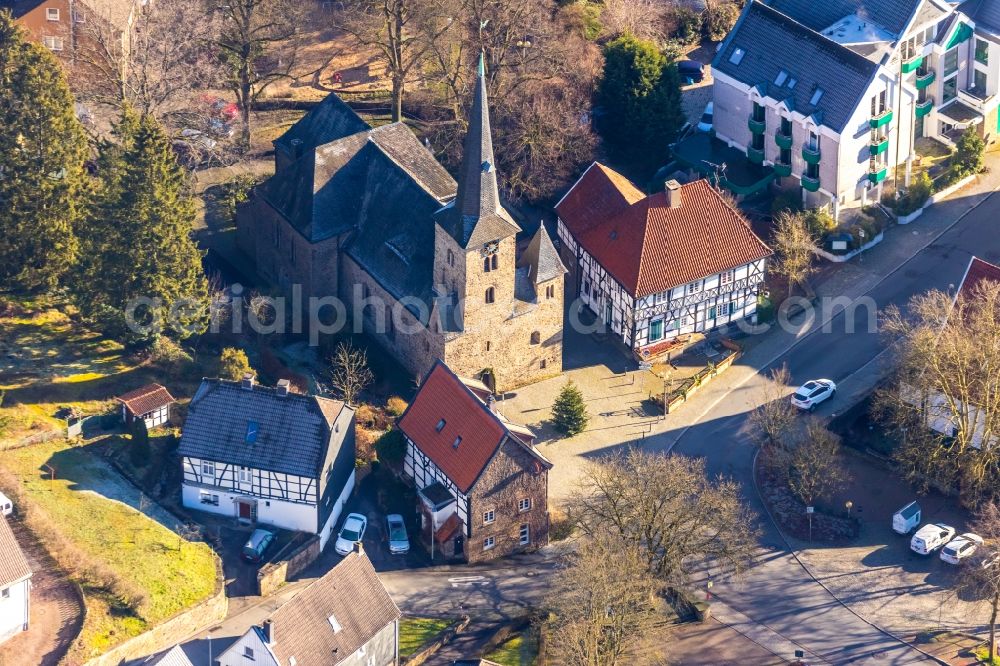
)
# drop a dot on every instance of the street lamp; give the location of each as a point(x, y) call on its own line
point(850, 505)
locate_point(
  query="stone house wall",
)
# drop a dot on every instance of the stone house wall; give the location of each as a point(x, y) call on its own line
point(512, 475)
point(275, 574)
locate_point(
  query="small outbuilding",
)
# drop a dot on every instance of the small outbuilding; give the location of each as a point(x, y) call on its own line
point(151, 403)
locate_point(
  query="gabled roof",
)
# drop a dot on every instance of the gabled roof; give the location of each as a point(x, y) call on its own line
point(477, 216)
point(986, 13)
point(892, 15)
point(175, 656)
point(290, 433)
point(649, 247)
point(772, 43)
point(328, 121)
point(541, 258)
point(597, 195)
point(146, 399)
point(350, 592)
point(13, 564)
point(479, 431)
point(977, 272)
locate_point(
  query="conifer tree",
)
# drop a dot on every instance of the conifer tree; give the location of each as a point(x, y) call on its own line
point(569, 412)
point(138, 246)
point(42, 153)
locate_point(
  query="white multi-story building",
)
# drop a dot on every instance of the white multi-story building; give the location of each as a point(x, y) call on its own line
point(679, 261)
point(15, 585)
point(267, 455)
point(833, 95)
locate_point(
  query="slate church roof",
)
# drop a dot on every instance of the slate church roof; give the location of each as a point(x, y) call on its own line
point(260, 428)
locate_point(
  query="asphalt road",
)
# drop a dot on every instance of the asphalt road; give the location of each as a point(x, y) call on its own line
point(778, 593)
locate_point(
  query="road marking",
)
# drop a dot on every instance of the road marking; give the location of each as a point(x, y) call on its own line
point(468, 581)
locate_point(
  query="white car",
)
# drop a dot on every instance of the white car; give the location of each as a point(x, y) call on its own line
point(931, 537)
point(961, 547)
point(351, 533)
point(705, 124)
point(813, 392)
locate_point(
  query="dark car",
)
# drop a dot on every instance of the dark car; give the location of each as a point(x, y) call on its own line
point(256, 545)
point(691, 71)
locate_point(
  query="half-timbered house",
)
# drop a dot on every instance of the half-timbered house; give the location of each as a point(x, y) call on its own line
point(267, 455)
point(150, 403)
point(654, 267)
point(483, 487)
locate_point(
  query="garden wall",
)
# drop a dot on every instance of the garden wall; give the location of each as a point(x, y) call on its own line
point(840, 258)
point(935, 198)
point(275, 574)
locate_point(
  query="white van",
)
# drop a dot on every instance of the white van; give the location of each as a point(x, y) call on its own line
point(931, 537)
point(6, 506)
point(906, 518)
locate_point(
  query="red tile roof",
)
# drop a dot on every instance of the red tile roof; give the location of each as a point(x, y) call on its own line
point(977, 272)
point(649, 247)
point(443, 396)
point(146, 399)
point(598, 194)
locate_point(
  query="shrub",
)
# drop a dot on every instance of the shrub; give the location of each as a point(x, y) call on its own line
point(391, 447)
point(968, 158)
point(233, 364)
point(365, 415)
point(818, 221)
point(169, 355)
point(364, 444)
point(719, 19)
point(560, 526)
point(236, 191)
point(916, 195)
point(686, 24)
point(139, 452)
point(395, 406)
point(569, 412)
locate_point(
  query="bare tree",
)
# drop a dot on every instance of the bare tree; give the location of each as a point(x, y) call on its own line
point(981, 578)
point(774, 417)
point(641, 18)
point(813, 466)
point(795, 248)
point(349, 373)
point(666, 507)
point(258, 42)
point(163, 54)
point(602, 605)
point(945, 405)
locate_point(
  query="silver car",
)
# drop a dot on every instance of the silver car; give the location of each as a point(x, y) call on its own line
point(399, 543)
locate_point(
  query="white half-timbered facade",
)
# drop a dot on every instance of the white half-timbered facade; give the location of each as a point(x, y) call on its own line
point(655, 267)
point(15, 585)
point(263, 455)
point(425, 473)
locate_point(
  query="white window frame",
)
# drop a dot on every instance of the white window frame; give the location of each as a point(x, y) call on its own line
point(489, 543)
point(726, 277)
point(489, 517)
point(51, 12)
point(246, 475)
point(53, 43)
point(210, 499)
point(524, 504)
point(524, 535)
point(248, 652)
point(695, 287)
point(208, 468)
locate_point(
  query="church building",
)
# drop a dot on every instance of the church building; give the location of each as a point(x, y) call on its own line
point(434, 268)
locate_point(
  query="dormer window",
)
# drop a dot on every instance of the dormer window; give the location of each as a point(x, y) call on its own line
point(440, 426)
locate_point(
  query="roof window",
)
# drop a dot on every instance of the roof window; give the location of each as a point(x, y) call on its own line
point(791, 83)
point(253, 429)
point(736, 57)
point(781, 78)
point(333, 623)
point(817, 96)
point(458, 440)
point(440, 426)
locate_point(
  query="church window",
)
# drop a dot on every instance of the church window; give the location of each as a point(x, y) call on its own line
point(490, 263)
point(451, 258)
point(550, 291)
point(489, 345)
point(490, 295)
point(541, 364)
point(536, 337)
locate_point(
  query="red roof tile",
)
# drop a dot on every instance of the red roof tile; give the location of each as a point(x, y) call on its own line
point(146, 399)
point(597, 195)
point(649, 247)
point(977, 272)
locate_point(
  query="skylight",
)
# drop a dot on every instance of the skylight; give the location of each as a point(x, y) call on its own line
point(253, 429)
point(440, 426)
point(736, 57)
point(333, 623)
point(791, 83)
point(817, 96)
point(458, 440)
point(782, 77)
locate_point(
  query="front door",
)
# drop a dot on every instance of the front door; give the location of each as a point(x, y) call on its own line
point(459, 546)
point(245, 510)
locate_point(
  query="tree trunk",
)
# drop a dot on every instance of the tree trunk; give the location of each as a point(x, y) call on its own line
point(397, 98)
point(993, 625)
point(245, 93)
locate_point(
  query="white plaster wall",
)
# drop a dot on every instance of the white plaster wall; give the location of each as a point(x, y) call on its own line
point(286, 515)
point(331, 523)
point(14, 610)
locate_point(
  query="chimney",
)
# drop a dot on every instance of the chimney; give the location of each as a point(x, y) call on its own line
point(297, 148)
point(673, 189)
point(283, 387)
point(248, 381)
point(359, 548)
point(268, 628)
point(491, 402)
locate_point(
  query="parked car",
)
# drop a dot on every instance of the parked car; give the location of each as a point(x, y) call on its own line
point(6, 506)
point(691, 71)
point(813, 392)
point(256, 545)
point(906, 518)
point(399, 542)
point(707, 118)
point(352, 532)
point(961, 547)
point(931, 537)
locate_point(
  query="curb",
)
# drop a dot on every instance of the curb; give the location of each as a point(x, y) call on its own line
point(795, 554)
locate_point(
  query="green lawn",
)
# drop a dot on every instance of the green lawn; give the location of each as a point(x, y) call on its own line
point(521, 650)
point(92, 508)
point(415, 631)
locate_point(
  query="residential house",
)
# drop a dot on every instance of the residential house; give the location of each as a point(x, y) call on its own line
point(175, 656)
point(483, 487)
point(151, 403)
point(267, 455)
point(431, 268)
point(654, 267)
point(15, 584)
point(832, 96)
point(345, 618)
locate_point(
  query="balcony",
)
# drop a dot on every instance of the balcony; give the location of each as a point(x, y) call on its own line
point(782, 170)
point(783, 140)
point(975, 97)
point(809, 183)
point(756, 126)
point(923, 108)
point(881, 120)
point(925, 78)
point(811, 154)
point(912, 64)
point(877, 172)
point(879, 143)
point(755, 155)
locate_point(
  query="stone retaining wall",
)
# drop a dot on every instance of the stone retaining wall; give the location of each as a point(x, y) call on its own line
point(275, 574)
